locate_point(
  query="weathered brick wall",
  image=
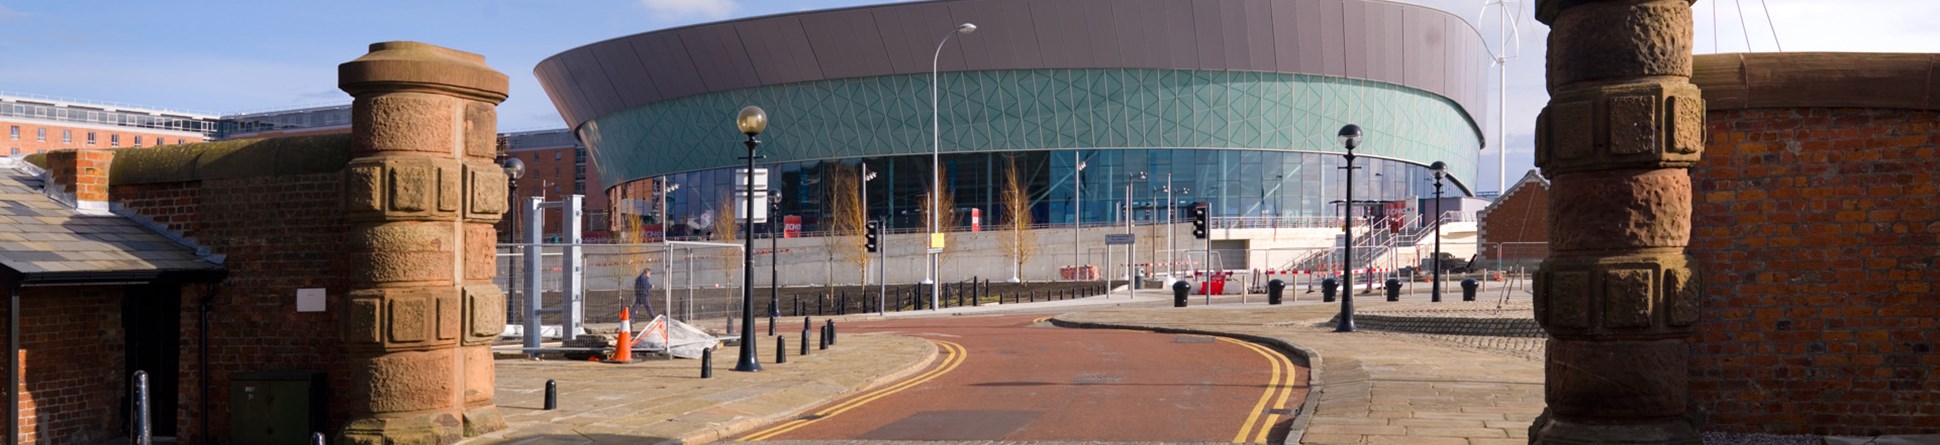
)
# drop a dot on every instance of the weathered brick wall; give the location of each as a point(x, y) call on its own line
point(1515, 228)
point(279, 234)
point(1819, 232)
point(74, 360)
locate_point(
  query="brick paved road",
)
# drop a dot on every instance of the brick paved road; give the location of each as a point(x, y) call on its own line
point(1015, 380)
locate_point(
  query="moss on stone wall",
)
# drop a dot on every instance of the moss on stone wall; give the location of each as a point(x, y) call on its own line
point(232, 159)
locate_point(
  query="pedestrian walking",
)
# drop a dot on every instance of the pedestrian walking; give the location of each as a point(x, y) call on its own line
point(643, 293)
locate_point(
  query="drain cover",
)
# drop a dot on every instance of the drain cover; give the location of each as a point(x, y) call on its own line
point(1192, 339)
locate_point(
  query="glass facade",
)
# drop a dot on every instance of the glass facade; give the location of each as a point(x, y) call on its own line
point(1247, 183)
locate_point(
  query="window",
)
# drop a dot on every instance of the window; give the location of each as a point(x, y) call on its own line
point(114, 140)
point(14, 133)
point(137, 140)
point(555, 155)
point(90, 138)
point(16, 151)
point(67, 136)
point(40, 135)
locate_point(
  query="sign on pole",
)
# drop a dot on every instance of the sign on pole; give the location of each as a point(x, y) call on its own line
point(936, 241)
point(1116, 239)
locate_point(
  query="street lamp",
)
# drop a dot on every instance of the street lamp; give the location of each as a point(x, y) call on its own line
point(1350, 137)
point(1131, 252)
point(774, 262)
point(1441, 171)
point(1077, 209)
point(514, 169)
point(936, 165)
point(752, 121)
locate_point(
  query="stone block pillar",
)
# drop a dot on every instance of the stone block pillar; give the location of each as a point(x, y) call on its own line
point(1617, 294)
point(421, 193)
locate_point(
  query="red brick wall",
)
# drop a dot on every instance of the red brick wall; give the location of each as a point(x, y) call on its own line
point(279, 234)
point(1520, 217)
point(72, 343)
point(1819, 234)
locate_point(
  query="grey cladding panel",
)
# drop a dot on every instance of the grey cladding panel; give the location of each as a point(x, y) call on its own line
point(1258, 17)
point(1177, 36)
point(1062, 30)
point(1286, 36)
point(1310, 30)
point(846, 43)
point(1208, 24)
point(1333, 47)
point(1355, 55)
point(666, 60)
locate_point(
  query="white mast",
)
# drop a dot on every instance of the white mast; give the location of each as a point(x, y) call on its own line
point(1506, 30)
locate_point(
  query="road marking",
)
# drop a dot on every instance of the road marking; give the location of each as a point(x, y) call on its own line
point(1042, 319)
point(1279, 388)
point(955, 356)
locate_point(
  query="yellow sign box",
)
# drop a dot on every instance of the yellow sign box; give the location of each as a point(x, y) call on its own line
point(936, 241)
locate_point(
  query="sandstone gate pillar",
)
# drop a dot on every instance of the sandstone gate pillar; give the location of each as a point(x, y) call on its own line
point(421, 193)
point(1617, 294)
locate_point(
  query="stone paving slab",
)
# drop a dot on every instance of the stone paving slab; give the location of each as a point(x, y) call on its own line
point(1370, 388)
point(665, 401)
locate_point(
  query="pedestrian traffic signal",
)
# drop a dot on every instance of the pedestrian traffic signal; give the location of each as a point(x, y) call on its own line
point(1199, 220)
point(873, 238)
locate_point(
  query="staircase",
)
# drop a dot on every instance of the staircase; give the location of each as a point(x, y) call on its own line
point(1374, 244)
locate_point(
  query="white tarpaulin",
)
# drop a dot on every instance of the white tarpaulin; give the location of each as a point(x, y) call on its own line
point(678, 339)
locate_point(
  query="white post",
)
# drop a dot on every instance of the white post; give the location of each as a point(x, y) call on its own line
point(573, 266)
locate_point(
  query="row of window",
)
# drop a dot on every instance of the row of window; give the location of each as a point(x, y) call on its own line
point(79, 114)
point(67, 137)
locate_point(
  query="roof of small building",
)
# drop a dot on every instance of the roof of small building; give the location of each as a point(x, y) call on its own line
point(43, 240)
point(1533, 177)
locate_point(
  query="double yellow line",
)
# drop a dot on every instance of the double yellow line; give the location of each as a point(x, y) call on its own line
point(953, 356)
point(1278, 389)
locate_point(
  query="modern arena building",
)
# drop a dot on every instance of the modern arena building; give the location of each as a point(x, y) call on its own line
point(1234, 102)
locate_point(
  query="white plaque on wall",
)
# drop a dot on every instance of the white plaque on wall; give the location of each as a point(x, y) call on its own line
point(309, 300)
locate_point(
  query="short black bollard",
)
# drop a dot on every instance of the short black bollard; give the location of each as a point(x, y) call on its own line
point(1327, 289)
point(1274, 290)
point(821, 304)
point(807, 323)
point(552, 395)
point(140, 428)
point(771, 325)
point(1179, 290)
point(781, 349)
point(707, 363)
point(831, 332)
point(1468, 289)
point(1394, 289)
point(317, 439)
point(804, 340)
point(823, 339)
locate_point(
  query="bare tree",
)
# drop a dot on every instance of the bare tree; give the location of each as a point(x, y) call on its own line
point(847, 218)
point(630, 255)
point(1020, 242)
point(727, 229)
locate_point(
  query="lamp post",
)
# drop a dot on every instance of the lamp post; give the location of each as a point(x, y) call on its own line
point(936, 164)
point(774, 262)
point(1441, 170)
point(1131, 251)
point(1077, 210)
point(514, 169)
point(752, 121)
point(666, 230)
point(1171, 250)
point(1350, 137)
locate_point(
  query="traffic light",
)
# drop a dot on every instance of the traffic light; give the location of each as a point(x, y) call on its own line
point(873, 238)
point(1199, 220)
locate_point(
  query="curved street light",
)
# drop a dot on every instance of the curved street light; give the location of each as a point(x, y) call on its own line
point(936, 165)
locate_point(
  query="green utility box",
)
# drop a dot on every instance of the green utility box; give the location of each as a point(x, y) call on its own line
point(276, 407)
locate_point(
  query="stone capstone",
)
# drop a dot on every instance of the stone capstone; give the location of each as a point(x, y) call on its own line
point(1602, 40)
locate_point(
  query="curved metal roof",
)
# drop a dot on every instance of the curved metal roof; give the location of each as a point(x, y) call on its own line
point(1401, 44)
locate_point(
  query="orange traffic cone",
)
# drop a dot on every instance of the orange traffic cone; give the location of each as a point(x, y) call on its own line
point(623, 352)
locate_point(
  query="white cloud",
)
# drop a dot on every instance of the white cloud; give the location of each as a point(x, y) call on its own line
point(686, 9)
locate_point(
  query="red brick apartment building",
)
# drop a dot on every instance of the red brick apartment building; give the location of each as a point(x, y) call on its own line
point(37, 124)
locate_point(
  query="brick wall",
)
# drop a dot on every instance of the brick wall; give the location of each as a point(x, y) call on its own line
point(1819, 233)
point(73, 382)
point(279, 234)
point(1522, 217)
point(31, 142)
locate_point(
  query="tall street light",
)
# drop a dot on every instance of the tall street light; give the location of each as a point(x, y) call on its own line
point(514, 169)
point(1440, 168)
point(936, 165)
point(1131, 252)
point(1350, 137)
point(752, 121)
point(774, 262)
point(1077, 209)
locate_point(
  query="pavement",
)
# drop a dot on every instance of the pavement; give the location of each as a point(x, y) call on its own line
point(1371, 387)
point(1368, 387)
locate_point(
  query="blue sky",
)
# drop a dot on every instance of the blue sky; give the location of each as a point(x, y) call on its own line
point(236, 56)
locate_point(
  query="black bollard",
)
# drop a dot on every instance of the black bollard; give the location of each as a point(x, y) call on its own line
point(140, 427)
point(707, 363)
point(1327, 289)
point(1274, 289)
point(821, 304)
point(781, 349)
point(798, 305)
point(552, 395)
point(804, 340)
point(823, 338)
point(771, 326)
point(1179, 291)
point(831, 332)
point(317, 439)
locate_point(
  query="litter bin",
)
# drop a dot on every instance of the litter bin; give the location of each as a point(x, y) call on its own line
point(1327, 289)
point(1394, 289)
point(278, 407)
point(1179, 290)
point(1468, 289)
point(1274, 288)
